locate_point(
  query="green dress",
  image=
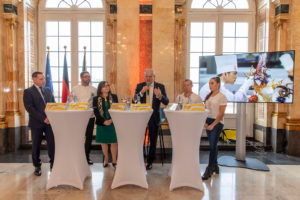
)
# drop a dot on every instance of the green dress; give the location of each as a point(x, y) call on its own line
point(106, 134)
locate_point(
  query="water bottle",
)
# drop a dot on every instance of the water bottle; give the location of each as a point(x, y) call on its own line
point(68, 102)
point(179, 106)
point(128, 103)
point(138, 99)
point(189, 100)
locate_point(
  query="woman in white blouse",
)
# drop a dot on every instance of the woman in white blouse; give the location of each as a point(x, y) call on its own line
point(216, 103)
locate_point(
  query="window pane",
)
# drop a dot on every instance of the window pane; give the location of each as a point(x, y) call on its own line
point(84, 29)
point(97, 28)
point(96, 3)
point(194, 74)
point(51, 28)
point(53, 59)
point(242, 4)
point(64, 28)
point(52, 42)
point(241, 45)
point(209, 29)
point(229, 108)
point(97, 74)
point(56, 90)
point(97, 43)
point(54, 73)
point(229, 29)
point(195, 88)
point(196, 45)
point(196, 29)
point(97, 59)
point(242, 29)
point(209, 44)
point(84, 42)
point(85, 4)
point(95, 84)
point(64, 41)
point(194, 59)
point(228, 44)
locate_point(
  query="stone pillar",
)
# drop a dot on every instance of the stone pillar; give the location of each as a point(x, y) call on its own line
point(163, 31)
point(293, 119)
point(11, 75)
point(127, 47)
point(110, 44)
point(279, 114)
point(180, 47)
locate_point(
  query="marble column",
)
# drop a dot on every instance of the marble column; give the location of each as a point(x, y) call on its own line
point(293, 119)
point(110, 46)
point(163, 32)
point(280, 110)
point(11, 77)
point(127, 47)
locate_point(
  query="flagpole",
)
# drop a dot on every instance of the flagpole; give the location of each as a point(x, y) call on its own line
point(48, 50)
point(84, 48)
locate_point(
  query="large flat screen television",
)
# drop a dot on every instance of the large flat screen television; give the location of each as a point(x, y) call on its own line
point(250, 77)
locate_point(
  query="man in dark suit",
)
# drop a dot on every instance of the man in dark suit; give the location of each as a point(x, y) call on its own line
point(35, 99)
point(153, 93)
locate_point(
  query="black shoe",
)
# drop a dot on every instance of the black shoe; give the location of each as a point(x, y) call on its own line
point(149, 166)
point(105, 165)
point(90, 162)
point(207, 174)
point(38, 171)
point(114, 165)
point(51, 166)
point(216, 170)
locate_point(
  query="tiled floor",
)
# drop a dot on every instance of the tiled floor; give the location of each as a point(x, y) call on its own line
point(282, 182)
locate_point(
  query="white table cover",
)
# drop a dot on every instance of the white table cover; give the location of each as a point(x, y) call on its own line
point(70, 166)
point(130, 128)
point(186, 129)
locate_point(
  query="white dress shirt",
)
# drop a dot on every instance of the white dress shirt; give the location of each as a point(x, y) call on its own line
point(194, 98)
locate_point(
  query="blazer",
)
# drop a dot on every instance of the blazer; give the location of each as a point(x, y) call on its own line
point(35, 105)
point(155, 101)
point(99, 119)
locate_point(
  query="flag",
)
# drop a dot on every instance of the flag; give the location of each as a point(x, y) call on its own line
point(84, 63)
point(65, 82)
point(48, 74)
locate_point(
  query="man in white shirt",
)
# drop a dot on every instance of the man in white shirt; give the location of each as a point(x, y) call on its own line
point(227, 71)
point(188, 97)
point(84, 93)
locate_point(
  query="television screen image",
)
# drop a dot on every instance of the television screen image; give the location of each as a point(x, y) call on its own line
point(250, 77)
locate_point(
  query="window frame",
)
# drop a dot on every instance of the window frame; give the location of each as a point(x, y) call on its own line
point(220, 15)
point(74, 15)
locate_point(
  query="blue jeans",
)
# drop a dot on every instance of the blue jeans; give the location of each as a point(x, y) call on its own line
point(213, 138)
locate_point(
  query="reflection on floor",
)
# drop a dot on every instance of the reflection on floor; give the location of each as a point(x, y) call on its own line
point(282, 182)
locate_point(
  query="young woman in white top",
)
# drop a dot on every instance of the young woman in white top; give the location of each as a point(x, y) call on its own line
point(216, 103)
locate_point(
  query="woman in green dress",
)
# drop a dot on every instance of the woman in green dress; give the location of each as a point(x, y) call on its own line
point(105, 130)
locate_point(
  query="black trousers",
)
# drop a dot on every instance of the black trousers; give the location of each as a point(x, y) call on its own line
point(37, 136)
point(153, 133)
point(89, 137)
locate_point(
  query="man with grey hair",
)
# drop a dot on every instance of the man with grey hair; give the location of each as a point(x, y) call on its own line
point(153, 93)
point(188, 96)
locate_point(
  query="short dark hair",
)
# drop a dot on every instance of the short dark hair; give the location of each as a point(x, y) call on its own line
point(82, 73)
point(35, 74)
point(191, 82)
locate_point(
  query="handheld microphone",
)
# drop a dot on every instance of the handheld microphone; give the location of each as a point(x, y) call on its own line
point(148, 84)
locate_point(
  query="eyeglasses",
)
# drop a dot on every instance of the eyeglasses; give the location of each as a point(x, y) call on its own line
point(106, 85)
point(86, 77)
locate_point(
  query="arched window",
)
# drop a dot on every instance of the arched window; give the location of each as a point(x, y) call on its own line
point(226, 4)
point(219, 27)
point(76, 24)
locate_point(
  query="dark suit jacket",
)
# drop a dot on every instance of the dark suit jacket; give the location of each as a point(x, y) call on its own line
point(99, 119)
point(35, 105)
point(155, 101)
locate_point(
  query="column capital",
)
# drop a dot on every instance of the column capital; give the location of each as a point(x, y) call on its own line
point(3, 123)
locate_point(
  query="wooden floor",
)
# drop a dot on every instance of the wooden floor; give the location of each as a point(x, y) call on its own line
point(282, 182)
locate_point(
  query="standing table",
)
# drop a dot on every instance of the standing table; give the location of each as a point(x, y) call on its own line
point(70, 166)
point(186, 129)
point(130, 128)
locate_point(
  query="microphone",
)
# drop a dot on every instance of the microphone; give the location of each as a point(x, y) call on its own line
point(147, 84)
